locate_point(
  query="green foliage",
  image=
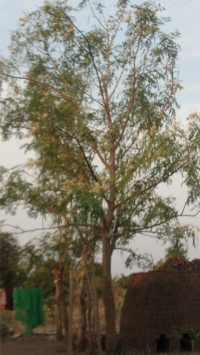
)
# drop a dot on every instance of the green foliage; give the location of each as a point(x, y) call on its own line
point(98, 106)
point(159, 264)
point(177, 249)
point(178, 238)
point(12, 275)
point(39, 259)
point(193, 335)
point(98, 278)
point(121, 282)
point(42, 276)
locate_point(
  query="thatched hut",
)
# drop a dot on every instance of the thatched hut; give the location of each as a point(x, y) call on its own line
point(160, 304)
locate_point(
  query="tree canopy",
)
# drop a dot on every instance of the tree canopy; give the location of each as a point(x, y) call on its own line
point(97, 104)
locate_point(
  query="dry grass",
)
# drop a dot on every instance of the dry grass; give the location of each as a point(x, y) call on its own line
point(9, 325)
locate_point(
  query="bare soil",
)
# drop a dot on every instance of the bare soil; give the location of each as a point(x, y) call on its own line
point(43, 341)
point(48, 345)
point(32, 345)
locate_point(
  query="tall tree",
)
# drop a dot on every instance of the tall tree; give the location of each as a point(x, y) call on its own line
point(98, 107)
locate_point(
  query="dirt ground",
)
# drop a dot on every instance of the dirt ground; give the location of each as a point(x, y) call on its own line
point(44, 345)
point(32, 345)
point(43, 341)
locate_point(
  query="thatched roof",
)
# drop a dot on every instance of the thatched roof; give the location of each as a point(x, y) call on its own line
point(161, 302)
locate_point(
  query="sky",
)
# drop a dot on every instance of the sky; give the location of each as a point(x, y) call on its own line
point(185, 15)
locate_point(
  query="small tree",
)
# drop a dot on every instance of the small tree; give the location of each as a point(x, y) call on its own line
point(178, 241)
point(177, 249)
point(178, 244)
point(192, 334)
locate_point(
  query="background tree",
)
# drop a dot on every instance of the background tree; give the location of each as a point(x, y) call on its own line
point(98, 107)
point(178, 245)
point(37, 264)
point(47, 265)
point(178, 249)
point(12, 274)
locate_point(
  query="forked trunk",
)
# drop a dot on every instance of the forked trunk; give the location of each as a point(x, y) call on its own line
point(108, 297)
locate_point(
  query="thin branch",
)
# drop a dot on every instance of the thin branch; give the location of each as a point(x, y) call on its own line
point(96, 16)
point(132, 98)
point(22, 231)
point(185, 204)
point(41, 83)
point(153, 186)
point(117, 82)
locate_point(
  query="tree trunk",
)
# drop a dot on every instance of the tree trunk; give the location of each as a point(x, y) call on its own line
point(59, 333)
point(82, 297)
point(70, 317)
point(89, 312)
point(82, 320)
point(60, 304)
point(63, 311)
point(96, 312)
point(108, 297)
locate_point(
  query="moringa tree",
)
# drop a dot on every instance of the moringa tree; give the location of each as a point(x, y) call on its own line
point(97, 105)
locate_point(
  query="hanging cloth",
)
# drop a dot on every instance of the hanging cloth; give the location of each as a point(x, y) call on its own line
point(28, 304)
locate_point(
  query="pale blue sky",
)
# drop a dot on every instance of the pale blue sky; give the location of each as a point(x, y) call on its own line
point(185, 15)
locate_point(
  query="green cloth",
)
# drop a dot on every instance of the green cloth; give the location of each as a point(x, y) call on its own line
point(28, 305)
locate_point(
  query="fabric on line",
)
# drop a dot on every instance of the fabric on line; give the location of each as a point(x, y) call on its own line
point(28, 304)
